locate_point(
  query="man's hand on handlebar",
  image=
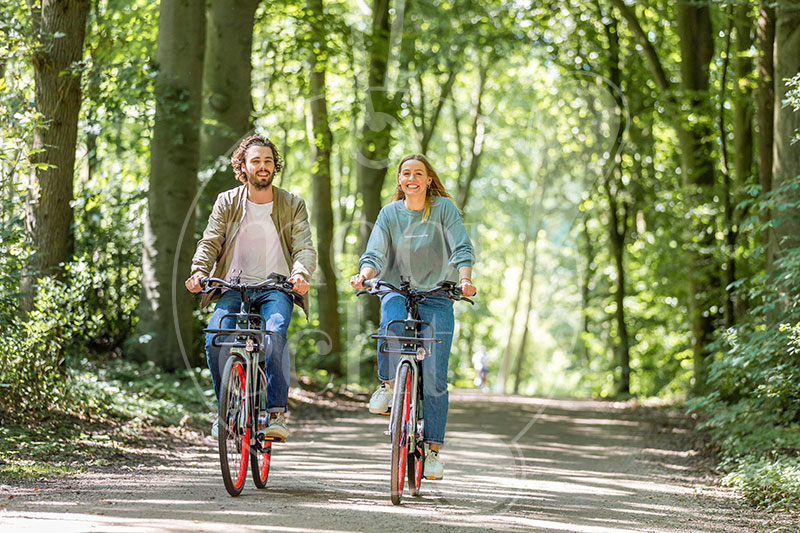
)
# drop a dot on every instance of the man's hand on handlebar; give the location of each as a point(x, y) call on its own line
point(193, 283)
point(300, 284)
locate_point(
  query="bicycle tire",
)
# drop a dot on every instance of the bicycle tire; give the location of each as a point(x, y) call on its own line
point(416, 465)
point(234, 435)
point(260, 459)
point(401, 405)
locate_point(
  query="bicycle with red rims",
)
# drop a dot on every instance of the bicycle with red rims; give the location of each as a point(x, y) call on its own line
point(412, 339)
point(243, 416)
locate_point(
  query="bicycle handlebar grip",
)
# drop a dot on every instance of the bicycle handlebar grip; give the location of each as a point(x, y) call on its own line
point(370, 283)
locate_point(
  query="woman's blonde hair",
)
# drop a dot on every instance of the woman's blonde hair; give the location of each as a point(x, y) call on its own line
point(434, 189)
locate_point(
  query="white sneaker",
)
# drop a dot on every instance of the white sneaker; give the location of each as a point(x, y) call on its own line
point(277, 427)
point(381, 398)
point(215, 428)
point(434, 468)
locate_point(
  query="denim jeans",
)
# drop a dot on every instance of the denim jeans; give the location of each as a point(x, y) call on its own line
point(439, 313)
point(276, 308)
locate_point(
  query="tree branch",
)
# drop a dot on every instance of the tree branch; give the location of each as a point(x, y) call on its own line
point(653, 60)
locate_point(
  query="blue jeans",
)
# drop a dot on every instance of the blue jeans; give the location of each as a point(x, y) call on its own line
point(276, 308)
point(439, 312)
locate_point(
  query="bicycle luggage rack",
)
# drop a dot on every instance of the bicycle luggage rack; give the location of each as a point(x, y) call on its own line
point(402, 340)
point(255, 334)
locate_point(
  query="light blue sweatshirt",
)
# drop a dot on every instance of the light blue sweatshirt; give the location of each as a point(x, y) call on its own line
point(401, 244)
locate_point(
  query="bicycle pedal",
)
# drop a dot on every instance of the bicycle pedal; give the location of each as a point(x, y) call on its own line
point(273, 439)
point(432, 478)
point(387, 433)
point(387, 413)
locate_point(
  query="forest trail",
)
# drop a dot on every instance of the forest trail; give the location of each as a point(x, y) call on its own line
point(511, 464)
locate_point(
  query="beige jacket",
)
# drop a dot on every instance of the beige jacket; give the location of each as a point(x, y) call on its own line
point(215, 250)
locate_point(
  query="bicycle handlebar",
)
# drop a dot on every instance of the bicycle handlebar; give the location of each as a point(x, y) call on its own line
point(273, 281)
point(447, 289)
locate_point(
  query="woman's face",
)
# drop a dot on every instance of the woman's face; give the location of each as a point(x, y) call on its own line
point(413, 178)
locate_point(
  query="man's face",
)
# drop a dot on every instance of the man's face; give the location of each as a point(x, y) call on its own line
point(259, 166)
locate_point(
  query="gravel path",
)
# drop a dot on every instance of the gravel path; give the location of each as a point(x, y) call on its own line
point(511, 464)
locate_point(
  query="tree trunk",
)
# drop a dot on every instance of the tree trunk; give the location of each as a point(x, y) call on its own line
point(728, 190)
point(525, 329)
point(476, 141)
point(166, 306)
point(505, 368)
point(697, 164)
point(60, 27)
point(226, 92)
point(429, 125)
point(586, 289)
point(743, 98)
point(786, 156)
point(618, 229)
point(765, 97)
point(321, 140)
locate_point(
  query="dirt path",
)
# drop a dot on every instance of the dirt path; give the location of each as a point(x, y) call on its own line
point(512, 464)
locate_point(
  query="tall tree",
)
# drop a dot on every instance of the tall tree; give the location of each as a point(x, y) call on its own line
point(321, 140)
point(697, 163)
point(619, 210)
point(693, 122)
point(765, 98)
point(226, 90)
point(60, 29)
point(786, 162)
point(166, 307)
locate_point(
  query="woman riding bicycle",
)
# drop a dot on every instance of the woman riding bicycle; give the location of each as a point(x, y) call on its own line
point(420, 236)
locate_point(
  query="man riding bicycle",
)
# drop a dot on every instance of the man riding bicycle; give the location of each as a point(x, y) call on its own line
point(253, 230)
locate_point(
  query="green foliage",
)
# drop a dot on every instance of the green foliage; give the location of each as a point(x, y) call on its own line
point(769, 482)
point(109, 407)
point(754, 406)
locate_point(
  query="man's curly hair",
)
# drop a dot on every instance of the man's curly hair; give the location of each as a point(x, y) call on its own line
point(237, 158)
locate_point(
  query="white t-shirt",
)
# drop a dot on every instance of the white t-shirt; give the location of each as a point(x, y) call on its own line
point(257, 250)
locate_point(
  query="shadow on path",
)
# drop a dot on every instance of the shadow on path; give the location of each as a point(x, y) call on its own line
point(580, 465)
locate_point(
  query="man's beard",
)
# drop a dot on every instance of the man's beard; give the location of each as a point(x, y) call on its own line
point(259, 184)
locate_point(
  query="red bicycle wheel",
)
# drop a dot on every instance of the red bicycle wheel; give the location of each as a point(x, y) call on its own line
point(416, 464)
point(234, 435)
point(261, 453)
point(401, 412)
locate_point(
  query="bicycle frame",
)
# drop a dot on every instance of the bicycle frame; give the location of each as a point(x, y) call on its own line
point(413, 350)
point(407, 434)
point(249, 344)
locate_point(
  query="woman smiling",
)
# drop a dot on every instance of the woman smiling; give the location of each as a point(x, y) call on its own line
point(421, 237)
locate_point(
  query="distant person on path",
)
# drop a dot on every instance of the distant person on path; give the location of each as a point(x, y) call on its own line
point(422, 236)
point(480, 362)
point(256, 229)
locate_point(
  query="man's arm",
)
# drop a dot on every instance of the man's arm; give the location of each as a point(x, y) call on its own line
point(304, 256)
point(209, 247)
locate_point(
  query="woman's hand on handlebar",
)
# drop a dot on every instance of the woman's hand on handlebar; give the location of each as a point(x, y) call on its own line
point(357, 281)
point(467, 288)
point(300, 284)
point(193, 282)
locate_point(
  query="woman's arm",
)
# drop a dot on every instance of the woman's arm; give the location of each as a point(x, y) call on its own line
point(465, 281)
point(374, 258)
